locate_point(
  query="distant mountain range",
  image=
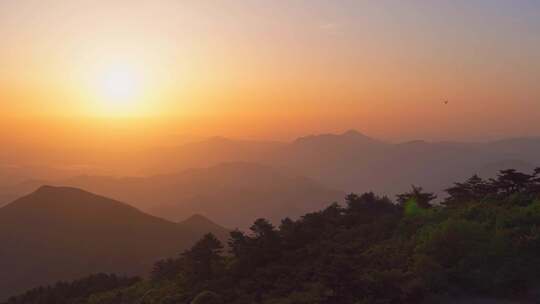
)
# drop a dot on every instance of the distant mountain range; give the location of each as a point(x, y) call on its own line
point(60, 233)
point(354, 162)
point(236, 181)
point(232, 194)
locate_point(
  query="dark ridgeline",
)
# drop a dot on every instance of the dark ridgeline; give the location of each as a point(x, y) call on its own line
point(225, 193)
point(483, 242)
point(59, 233)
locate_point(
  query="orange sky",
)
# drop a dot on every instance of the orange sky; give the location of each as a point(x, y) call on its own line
point(254, 69)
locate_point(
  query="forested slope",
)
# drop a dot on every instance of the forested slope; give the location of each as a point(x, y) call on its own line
point(484, 241)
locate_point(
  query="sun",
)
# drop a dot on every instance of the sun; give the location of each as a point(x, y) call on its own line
point(118, 90)
point(120, 85)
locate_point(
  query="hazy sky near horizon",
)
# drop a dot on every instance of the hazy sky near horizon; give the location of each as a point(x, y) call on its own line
point(274, 69)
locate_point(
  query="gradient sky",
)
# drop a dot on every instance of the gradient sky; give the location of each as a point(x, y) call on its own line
point(274, 69)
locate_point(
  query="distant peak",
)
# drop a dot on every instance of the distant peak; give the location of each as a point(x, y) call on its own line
point(352, 132)
point(200, 221)
point(45, 189)
point(351, 135)
point(47, 192)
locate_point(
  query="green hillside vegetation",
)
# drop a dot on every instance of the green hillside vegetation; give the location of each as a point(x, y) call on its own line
point(483, 240)
point(76, 291)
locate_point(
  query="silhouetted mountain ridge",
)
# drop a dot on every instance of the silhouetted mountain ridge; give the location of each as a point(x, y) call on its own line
point(60, 233)
point(347, 138)
point(225, 192)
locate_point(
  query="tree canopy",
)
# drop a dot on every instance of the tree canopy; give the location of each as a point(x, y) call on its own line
point(483, 240)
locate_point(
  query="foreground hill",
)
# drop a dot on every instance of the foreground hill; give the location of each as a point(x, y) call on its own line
point(58, 233)
point(481, 246)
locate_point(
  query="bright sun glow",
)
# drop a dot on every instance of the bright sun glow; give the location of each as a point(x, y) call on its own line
point(116, 86)
point(120, 85)
point(118, 90)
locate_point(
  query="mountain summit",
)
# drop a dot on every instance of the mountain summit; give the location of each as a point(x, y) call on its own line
point(60, 233)
point(346, 138)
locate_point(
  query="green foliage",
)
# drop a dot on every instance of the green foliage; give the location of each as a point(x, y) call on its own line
point(422, 199)
point(411, 208)
point(485, 241)
point(73, 292)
